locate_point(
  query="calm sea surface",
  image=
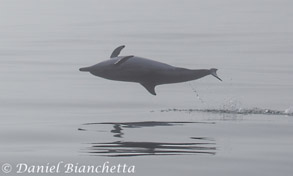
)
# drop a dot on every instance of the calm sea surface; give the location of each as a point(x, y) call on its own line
point(51, 112)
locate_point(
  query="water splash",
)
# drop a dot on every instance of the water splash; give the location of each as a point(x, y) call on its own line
point(233, 105)
point(242, 111)
point(289, 110)
point(196, 93)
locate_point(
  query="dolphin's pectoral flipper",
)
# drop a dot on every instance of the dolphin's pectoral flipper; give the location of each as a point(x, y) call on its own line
point(122, 60)
point(149, 87)
point(117, 51)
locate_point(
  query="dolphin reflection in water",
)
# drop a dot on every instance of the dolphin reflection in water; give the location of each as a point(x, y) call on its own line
point(148, 73)
point(123, 147)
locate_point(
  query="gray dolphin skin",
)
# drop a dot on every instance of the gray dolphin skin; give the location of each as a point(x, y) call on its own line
point(148, 73)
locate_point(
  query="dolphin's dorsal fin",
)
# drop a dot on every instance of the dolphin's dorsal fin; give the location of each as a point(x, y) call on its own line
point(122, 60)
point(117, 51)
point(150, 87)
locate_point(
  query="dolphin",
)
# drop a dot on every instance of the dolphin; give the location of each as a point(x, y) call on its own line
point(147, 72)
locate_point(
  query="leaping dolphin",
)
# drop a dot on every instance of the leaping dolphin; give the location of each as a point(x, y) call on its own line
point(148, 73)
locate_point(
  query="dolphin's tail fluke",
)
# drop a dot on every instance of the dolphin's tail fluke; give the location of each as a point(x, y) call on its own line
point(214, 73)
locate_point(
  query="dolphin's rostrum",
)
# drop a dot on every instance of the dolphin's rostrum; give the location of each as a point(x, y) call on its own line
point(148, 73)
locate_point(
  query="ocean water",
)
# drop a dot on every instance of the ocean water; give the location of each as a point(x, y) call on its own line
point(50, 112)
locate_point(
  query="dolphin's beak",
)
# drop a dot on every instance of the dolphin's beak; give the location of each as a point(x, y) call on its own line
point(84, 69)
